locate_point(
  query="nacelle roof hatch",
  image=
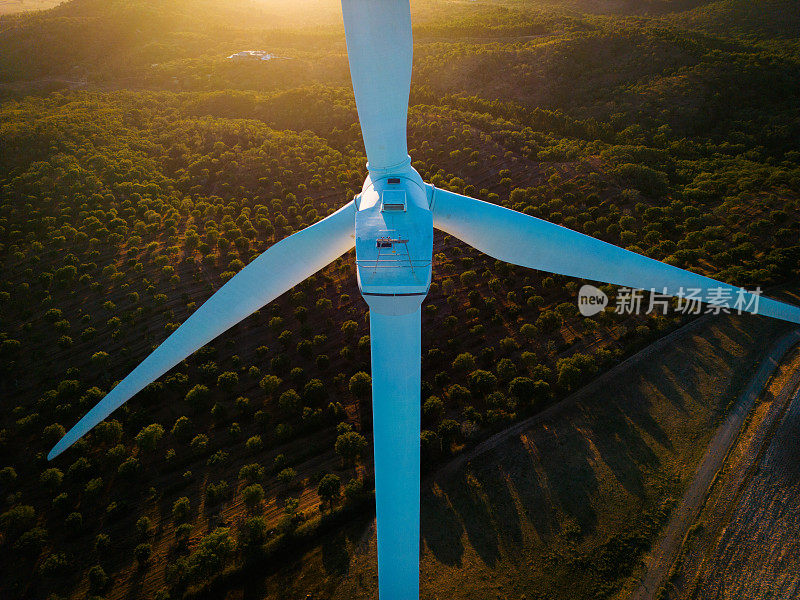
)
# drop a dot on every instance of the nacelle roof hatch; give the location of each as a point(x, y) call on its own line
point(393, 201)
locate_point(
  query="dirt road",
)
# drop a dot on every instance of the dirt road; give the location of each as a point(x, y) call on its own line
point(665, 552)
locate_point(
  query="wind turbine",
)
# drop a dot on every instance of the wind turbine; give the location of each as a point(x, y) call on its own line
point(391, 224)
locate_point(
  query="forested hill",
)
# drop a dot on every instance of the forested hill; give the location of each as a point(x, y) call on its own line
point(140, 169)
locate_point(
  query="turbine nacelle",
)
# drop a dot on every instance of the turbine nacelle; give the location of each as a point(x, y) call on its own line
point(394, 240)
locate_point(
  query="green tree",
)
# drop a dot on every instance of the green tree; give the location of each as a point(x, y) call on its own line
point(254, 444)
point(100, 359)
point(349, 329)
point(211, 555)
point(227, 381)
point(98, 580)
point(289, 402)
point(17, 520)
point(253, 495)
point(181, 510)
point(314, 392)
point(251, 473)
point(182, 429)
point(253, 533)
point(360, 385)
point(51, 479)
point(350, 446)
point(329, 488)
point(198, 396)
point(149, 436)
point(464, 362)
point(142, 554)
point(433, 409)
point(270, 384)
point(482, 382)
point(505, 369)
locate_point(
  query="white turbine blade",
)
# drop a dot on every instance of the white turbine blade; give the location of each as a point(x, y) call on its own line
point(396, 358)
point(277, 270)
point(379, 48)
point(530, 242)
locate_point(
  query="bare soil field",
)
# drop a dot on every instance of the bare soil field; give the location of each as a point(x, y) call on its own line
point(566, 506)
point(746, 543)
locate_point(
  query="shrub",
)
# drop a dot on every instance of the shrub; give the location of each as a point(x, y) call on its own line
point(93, 488)
point(468, 278)
point(314, 392)
point(448, 431)
point(74, 523)
point(101, 543)
point(528, 331)
point(270, 384)
point(55, 565)
point(528, 392)
point(109, 432)
point(8, 476)
point(53, 433)
point(505, 369)
point(128, 469)
point(509, 344)
point(354, 490)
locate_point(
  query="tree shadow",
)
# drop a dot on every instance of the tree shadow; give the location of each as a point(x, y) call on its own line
point(567, 475)
point(440, 528)
point(474, 513)
point(522, 473)
point(501, 504)
point(335, 557)
point(621, 446)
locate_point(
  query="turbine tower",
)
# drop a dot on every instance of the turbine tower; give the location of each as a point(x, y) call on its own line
point(391, 224)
